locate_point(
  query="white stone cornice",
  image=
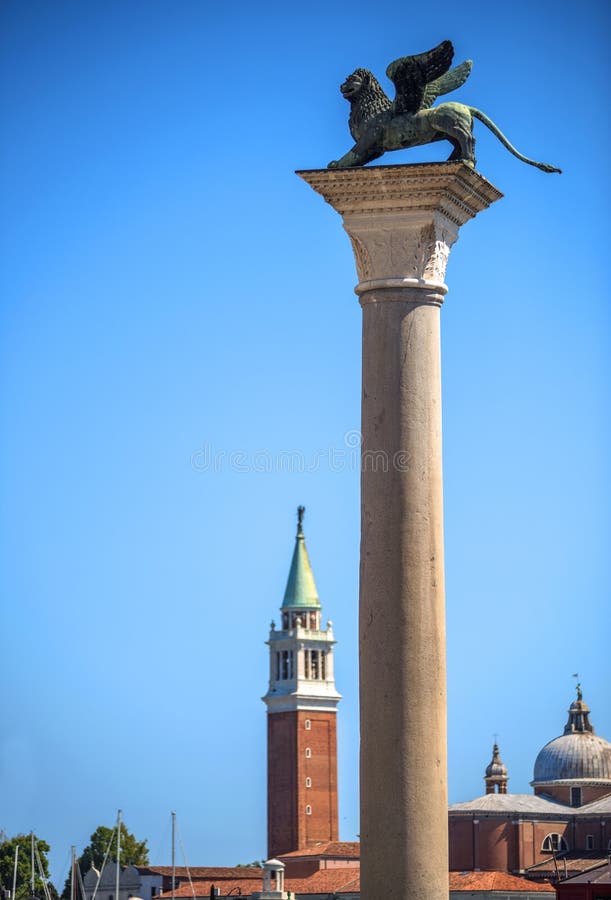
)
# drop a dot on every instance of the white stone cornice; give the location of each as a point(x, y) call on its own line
point(307, 635)
point(302, 702)
point(304, 689)
point(452, 188)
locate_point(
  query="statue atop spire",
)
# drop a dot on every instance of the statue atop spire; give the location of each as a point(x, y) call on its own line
point(301, 590)
point(579, 715)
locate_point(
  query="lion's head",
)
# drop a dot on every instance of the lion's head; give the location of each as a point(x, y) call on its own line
point(367, 99)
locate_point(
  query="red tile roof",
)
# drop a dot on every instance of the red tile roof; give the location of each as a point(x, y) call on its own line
point(335, 849)
point(203, 872)
point(201, 887)
point(571, 862)
point(597, 875)
point(325, 881)
point(497, 881)
point(346, 880)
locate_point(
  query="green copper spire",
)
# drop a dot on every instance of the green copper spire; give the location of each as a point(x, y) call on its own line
point(301, 590)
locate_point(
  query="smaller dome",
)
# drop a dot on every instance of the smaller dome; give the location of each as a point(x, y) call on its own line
point(496, 767)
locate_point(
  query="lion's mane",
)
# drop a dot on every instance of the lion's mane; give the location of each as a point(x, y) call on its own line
point(369, 102)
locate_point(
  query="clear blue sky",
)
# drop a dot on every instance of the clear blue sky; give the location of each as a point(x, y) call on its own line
point(169, 285)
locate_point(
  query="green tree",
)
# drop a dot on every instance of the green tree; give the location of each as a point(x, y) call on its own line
point(133, 852)
point(24, 866)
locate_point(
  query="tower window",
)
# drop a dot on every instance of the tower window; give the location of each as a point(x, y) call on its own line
point(554, 843)
point(589, 841)
point(308, 724)
point(575, 796)
point(308, 782)
point(315, 664)
point(308, 810)
point(308, 752)
point(323, 666)
point(285, 665)
point(285, 620)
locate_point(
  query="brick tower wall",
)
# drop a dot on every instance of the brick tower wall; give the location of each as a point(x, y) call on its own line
point(302, 780)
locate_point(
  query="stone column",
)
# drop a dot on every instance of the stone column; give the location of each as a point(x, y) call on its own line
point(402, 222)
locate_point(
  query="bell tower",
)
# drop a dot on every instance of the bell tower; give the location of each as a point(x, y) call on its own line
point(496, 773)
point(301, 716)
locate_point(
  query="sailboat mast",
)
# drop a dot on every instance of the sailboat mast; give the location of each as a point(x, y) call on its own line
point(73, 873)
point(173, 853)
point(32, 878)
point(15, 872)
point(118, 875)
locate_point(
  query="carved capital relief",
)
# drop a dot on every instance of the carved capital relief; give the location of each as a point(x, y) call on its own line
point(387, 246)
point(362, 259)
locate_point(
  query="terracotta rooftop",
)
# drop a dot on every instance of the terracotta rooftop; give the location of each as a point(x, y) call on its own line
point(204, 872)
point(329, 881)
point(334, 849)
point(201, 887)
point(325, 881)
point(497, 881)
point(571, 862)
point(599, 875)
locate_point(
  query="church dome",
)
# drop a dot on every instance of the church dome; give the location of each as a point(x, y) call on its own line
point(578, 754)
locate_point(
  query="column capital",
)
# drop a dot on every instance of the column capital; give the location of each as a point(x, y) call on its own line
point(403, 220)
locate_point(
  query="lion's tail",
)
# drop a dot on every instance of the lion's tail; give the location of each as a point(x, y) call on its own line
point(499, 134)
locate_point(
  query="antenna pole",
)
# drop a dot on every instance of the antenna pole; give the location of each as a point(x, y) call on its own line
point(118, 876)
point(173, 853)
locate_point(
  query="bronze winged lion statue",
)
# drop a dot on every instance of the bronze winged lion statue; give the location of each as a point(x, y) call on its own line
point(378, 125)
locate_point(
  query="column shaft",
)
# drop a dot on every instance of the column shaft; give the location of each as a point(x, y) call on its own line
point(404, 848)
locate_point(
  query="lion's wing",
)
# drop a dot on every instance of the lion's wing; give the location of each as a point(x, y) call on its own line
point(411, 74)
point(451, 81)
